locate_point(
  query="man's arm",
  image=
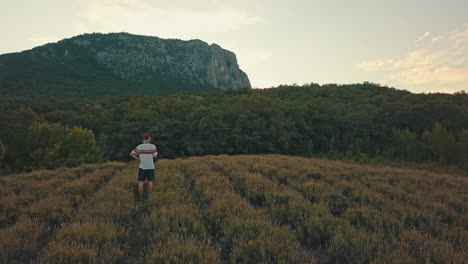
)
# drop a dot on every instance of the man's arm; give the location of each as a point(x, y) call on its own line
point(134, 155)
point(155, 154)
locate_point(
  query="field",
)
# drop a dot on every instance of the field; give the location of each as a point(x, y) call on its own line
point(236, 209)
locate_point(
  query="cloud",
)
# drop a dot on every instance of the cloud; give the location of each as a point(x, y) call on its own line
point(460, 38)
point(418, 58)
point(139, 17)
point(423, 37)
point(437, 38)
point(429, 67)
point(437, 77)
point(429, 36)
point(376, 65)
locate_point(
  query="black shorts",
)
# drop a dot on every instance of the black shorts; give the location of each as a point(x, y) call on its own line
point(146, 175)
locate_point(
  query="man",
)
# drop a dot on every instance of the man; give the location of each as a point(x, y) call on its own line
point(146, 153)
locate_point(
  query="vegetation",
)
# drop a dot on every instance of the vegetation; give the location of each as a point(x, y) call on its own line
point(117, 64)
point(360, 121)
point(230, 209)
point(3, 150)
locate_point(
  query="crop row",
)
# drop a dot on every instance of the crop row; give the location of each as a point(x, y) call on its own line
point(243, 233)
point(99, 229)
point(37, 223)
point(365, 224)
point(33, 192)
point(242, 209)
point(173, 225)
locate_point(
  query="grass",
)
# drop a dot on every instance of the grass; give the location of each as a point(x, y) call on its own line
point(231, 209)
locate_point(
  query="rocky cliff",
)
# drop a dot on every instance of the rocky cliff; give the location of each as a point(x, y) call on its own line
point(97, 63)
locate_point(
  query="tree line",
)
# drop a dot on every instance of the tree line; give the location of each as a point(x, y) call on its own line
point(356, 121)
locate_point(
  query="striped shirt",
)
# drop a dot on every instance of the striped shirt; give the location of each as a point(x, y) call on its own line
point(146, 152)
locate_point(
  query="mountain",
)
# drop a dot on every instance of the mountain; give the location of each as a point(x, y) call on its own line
point(119, 64)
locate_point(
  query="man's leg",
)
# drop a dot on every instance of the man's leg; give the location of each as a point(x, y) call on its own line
point(150, 186)
point(141, 183)
point(140, 188)
point(151, 179)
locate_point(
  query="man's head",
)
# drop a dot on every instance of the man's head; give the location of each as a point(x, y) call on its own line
point(147, 138)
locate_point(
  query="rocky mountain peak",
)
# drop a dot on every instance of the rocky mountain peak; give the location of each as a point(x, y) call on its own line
point(124, 62)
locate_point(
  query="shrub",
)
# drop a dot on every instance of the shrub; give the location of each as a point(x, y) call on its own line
point(351, 246)
point(9, 210)
point(21, 241)
point(59, 252)
point(183, 220)
point(337, 203)
point(179, 250)
point(313, 224)
point(257, 241)
point(95, 233)
point(3, 150)
point(53, 210)
point(373, 220)
point(222, 210)
point(422, 248)
point(92, 242)
point(115, 203)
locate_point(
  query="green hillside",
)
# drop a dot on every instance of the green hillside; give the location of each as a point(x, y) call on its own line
point(231, 209)
point(356, 121)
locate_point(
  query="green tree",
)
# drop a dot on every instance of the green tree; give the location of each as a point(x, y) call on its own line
point(408, 146)
point(463, 148)
point(80, 147)
point(3, 150)
point(45, 141)
point(442, 144)
point(14, 124)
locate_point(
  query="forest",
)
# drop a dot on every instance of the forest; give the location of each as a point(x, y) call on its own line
point(356, 121)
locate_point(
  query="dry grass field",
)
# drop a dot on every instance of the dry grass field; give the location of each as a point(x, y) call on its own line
point(236, 209)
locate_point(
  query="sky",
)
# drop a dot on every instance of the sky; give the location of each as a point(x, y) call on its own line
point(417, 45)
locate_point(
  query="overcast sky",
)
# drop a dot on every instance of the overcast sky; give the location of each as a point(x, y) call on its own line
point(418, 45)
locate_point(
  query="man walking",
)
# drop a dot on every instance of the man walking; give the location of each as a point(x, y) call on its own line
point(146, 153)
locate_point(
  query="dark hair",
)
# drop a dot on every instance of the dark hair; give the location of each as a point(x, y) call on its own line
point(147, 136)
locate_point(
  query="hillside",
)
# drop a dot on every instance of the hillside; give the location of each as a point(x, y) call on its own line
point(231, 209)
point(357, 121)
point(118, 64)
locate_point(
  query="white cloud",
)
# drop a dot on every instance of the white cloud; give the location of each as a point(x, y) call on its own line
point(460, 38)
point(375, 65)
point(437, 38)
point(428, 68)
point(139, 17)
point(423, 37)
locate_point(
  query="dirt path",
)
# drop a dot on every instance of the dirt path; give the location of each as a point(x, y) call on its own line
point(137, 237)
